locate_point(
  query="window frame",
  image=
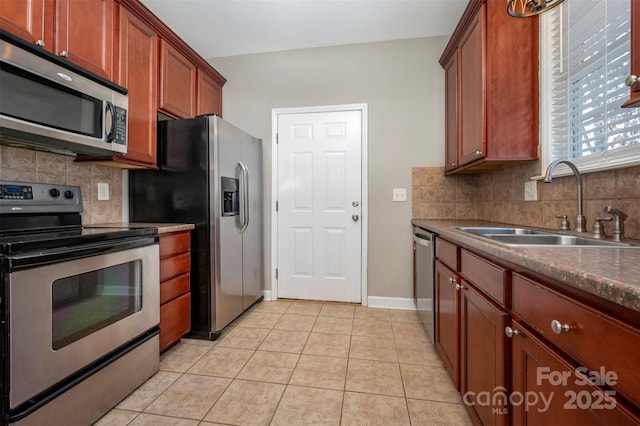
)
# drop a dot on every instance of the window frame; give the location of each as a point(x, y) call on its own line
point(627, 156)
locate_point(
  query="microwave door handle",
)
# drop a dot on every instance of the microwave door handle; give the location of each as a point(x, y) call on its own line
point(110, 111)
point(244, 196)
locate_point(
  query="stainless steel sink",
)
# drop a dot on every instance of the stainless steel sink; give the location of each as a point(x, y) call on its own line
point(484, 230)
point(523, 237)
point(553, 240)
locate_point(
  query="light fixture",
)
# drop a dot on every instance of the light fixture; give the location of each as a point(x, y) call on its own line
point(526, 8)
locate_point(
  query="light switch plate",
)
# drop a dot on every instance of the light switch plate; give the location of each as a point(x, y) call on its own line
point(399, 194)
point(531, 191)
point(103, 191)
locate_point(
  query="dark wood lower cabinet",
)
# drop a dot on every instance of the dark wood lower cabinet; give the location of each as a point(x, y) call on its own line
point(447, 306)
point(547, 391)
point(483, 374)
point(175, 283)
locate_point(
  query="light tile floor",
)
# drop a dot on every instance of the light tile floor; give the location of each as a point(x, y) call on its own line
point(301, 363)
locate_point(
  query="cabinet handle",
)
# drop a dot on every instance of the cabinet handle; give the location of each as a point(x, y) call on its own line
point(560, 328)
point(460, 287)
point(453, 164)
point(452, 280)
point(64, 53)
point(631, 80)
point(478, 152)
point(510, 332)
point(40, 43)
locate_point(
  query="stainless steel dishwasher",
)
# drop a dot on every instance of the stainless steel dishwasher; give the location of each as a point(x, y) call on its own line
point(424, 257)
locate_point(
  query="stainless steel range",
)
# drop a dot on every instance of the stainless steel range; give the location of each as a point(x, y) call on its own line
point(79, 308)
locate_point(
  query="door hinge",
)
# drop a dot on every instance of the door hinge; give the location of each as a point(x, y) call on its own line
point(277, 138)
point(276, 273)
point(277, 205)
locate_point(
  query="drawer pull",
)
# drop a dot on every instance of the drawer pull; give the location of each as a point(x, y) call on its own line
point(460, 287)
point(510, 332)
point(560, 328)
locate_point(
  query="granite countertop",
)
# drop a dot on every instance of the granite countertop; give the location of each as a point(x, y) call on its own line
point(610, 273)
point(163, 228)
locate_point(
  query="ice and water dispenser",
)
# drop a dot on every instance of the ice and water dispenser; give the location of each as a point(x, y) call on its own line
point(230, 202)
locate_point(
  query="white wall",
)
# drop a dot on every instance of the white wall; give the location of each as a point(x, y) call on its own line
point(403, 85)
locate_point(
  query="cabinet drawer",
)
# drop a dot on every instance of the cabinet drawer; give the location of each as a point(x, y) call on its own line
point(173, 266)
point(487, 277)
point(569, 400)
point(595, 340)
point(174, 287)
point(175, 320)
point(448, 254)
point(171, 244)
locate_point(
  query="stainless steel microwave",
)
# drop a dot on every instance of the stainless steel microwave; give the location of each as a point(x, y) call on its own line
point(47, 103)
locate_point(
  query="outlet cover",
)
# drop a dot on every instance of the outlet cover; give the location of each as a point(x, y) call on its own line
point(103, 191)
point(399, 194)
point(531, 191)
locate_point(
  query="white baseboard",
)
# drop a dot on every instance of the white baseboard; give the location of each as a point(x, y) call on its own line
point(267, 295)
point(391, 303)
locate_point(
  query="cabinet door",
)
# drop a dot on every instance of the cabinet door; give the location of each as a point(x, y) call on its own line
point(447, 313)
point(84, 34)
point(451, 102)
point(562, 398)
point(177, 83)
point(209, 95)
point(472, 107)
point(137, 71)
point(483, 355)
point(31, 20)
point(634, 93)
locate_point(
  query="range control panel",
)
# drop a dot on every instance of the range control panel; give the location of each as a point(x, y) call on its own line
point(29, 197)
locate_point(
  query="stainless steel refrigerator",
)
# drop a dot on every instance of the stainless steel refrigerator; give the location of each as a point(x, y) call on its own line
point(210, 174)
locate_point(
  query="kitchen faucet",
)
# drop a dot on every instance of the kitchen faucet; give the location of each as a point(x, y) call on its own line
point(580, 220)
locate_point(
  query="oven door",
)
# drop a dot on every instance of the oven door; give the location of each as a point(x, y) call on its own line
point(66, 315)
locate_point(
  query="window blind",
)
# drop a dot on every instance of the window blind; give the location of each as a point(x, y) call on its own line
point(585, 56)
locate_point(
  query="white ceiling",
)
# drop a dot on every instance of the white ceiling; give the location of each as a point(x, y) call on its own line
point(216, 28)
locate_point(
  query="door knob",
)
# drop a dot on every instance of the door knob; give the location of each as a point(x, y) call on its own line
point(355, 217)
point(355, 203)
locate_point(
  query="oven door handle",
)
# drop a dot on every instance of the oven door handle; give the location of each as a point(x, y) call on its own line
point(56, 255)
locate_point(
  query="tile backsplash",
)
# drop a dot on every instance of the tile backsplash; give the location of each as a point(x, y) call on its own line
point(17, 164)
point(499, 196)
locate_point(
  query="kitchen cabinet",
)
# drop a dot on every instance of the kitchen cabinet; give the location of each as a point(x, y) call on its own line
point(506, 337)
point(175, 296)
point(491, 87)
point(80, 31)
point(483, 343)
point(138, 71)
point(209, 95)
point(177, 83)
point(447, 308)
point(162, 73)
point(570, 400)
point(451, 108)
point(634, 89)
point(595, 340)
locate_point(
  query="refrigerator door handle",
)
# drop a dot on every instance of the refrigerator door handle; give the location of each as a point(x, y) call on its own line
point(244, 196)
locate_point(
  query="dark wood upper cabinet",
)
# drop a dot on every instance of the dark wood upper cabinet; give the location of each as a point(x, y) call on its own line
point(209, 95)
point(31, 20)
point(80, 31)
point(138, 70)
point(491, 65)
point(177, 83)
point(634, 90)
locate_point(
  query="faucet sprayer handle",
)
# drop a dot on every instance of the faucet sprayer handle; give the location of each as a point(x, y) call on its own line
point(564, 223)
point(615, 212)
point(618, 222)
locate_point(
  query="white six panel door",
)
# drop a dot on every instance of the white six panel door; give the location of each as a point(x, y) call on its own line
point(319, 197)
